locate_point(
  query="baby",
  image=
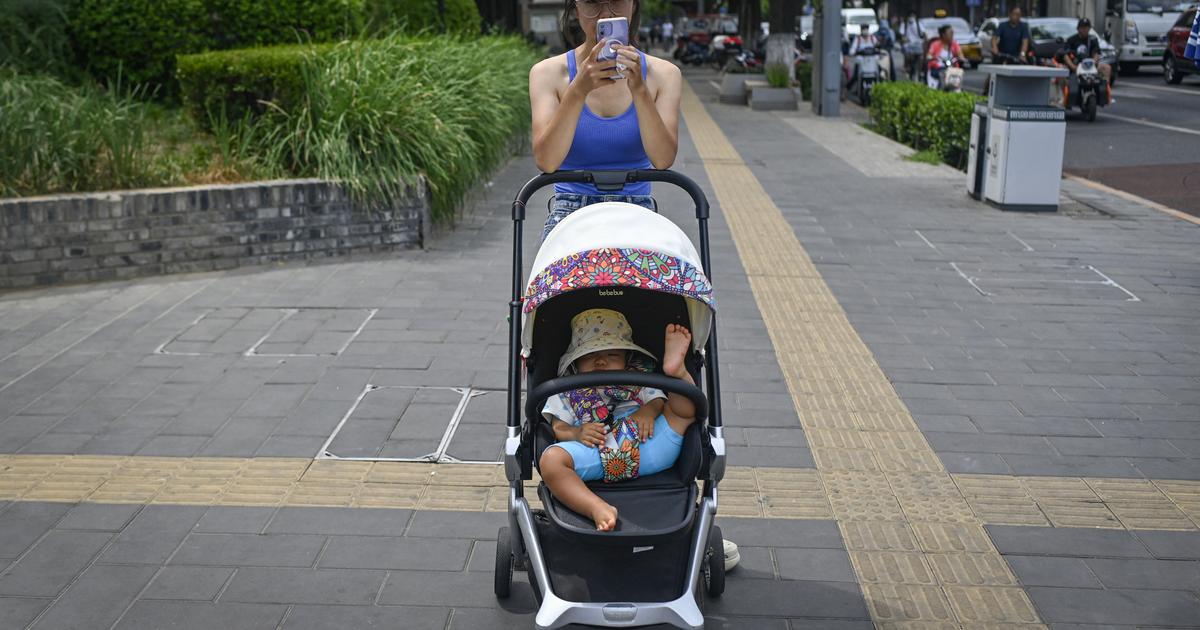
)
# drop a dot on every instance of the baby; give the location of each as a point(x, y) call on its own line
point(616, 432)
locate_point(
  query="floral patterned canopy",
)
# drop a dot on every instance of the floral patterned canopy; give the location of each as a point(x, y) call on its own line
point(616, 244)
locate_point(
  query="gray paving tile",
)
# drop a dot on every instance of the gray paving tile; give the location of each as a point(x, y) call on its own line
point(1049, 571)
point(97, 598)
point(264, 550)
point(341, 521)
point(829, 624)
point(441, 588)
point(410, 554)
point(1115, 446)
point(1188, 469)
point(1116, 606)
point(445, 524)
point(305, 586)
point(188, 583)
point(1171, 545)
point(156, 615)
point(756, 563)
point(791, 599)
point(1001, 444)
point(153, 535)
point(22, 523)
point(975, 463)
point(773, 456)
point(323, 617)
point(1153, 574)
point(52, 563)
point(222, 519)
point(488, 618)
point(17, 612)
point(1071, 466)
point(108, 517)
point(1068, 542)
point(822, 565)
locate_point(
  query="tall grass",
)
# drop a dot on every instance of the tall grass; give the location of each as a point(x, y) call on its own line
point(59, 138)
point(378, 113)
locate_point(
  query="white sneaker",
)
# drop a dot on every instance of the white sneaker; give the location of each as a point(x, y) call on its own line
point(732, 557)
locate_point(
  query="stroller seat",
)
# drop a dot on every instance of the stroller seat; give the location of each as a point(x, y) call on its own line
point(650, 509)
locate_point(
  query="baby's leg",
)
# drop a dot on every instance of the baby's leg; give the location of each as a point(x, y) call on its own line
point(558, 471)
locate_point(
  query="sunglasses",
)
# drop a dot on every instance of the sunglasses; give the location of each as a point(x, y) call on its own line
point(593, 8)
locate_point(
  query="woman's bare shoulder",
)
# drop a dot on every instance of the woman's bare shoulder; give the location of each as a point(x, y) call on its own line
point(549, 67)
point(662, 66)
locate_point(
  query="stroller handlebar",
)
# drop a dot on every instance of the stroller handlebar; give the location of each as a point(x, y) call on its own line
point(543, 392)
point(611, 181)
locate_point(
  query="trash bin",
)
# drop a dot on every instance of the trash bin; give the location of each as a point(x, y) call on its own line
point(976, 153)
point(1023, 146)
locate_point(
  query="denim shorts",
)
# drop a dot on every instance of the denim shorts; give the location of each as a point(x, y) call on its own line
point(562, 204)
point(657, 454)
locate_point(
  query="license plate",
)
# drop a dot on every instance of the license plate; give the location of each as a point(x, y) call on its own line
point(1157, 52)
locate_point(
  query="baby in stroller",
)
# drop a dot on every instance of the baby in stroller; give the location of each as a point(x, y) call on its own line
point(617, 432)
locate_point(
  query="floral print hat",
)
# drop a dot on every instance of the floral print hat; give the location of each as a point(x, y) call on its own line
point(598, 329)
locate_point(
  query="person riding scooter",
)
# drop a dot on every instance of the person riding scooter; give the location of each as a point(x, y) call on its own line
point(1082, 45)
point(945, 56)
point(1088, 87)
point(862, 65)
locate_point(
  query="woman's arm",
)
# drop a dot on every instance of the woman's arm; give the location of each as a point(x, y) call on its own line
point(658, 115)
point(554, 121)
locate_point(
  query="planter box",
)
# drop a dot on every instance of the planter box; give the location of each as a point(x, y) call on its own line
point(733, 87)
point(135, 233)
point(765, 98)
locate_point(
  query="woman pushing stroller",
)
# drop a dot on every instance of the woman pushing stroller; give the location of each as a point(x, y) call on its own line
point(613, 433)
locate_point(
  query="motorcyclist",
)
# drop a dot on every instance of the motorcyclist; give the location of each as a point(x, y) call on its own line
point(942, 52)
point(1082, 45)
point(864, 40)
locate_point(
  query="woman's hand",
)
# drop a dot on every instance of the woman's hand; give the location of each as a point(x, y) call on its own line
point(629, 57)
point(594, 73)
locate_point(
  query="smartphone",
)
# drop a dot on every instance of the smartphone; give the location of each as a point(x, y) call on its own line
point(613, 31)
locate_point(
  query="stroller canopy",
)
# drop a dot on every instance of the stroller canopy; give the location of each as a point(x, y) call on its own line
point(617, 244)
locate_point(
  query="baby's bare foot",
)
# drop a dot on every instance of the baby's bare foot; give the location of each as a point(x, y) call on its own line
point(675, 348)
point(605, 516)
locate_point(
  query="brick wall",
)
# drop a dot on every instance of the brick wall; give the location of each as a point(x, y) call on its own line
point(126, 234)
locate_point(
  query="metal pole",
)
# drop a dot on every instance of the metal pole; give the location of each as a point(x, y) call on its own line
point(827, 60)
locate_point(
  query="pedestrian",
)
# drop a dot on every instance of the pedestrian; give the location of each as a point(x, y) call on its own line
point(668, 33)
point(656, 33)
point(1012, 37)
point(912, 39)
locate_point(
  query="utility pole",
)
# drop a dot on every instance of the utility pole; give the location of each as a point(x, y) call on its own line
point(827, 59)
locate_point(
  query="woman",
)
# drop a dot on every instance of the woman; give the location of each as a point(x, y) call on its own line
point(594, 115)
point(942, 53)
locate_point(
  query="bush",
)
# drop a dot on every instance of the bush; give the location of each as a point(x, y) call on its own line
point(924, 119)
point(58, 138)
point(777, 76)
point(139, 39)
point(804, 78)
point(234, 83)
point(374, 114)
point(462, 16)
point(34, 38)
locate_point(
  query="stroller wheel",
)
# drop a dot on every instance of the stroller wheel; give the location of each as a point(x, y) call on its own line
point(504, 564)
point(714, 563)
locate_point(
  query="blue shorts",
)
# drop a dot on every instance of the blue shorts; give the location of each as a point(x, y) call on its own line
point(657, 454)
point(562, 204)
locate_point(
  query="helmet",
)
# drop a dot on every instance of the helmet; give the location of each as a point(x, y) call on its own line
point(1084, 22)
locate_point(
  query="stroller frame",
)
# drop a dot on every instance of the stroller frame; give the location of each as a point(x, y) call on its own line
point(523, 545)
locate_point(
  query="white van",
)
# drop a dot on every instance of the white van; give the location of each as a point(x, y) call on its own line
point(853, 19)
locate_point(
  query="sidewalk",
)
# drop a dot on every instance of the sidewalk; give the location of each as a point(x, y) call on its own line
point(940, 415)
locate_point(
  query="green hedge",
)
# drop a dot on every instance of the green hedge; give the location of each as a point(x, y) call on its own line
point(462, 16)
point(233, 83)
point(804, 78)
point(139, 39)
point(34, 37)
point(924, 118)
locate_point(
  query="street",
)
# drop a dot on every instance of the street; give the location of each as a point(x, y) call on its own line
point(1145, 143)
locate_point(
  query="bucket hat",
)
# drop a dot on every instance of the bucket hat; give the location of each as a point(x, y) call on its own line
point(598, 329)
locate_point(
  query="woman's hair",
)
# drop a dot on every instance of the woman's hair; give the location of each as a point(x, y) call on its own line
point(573, 35)
point(943, 29)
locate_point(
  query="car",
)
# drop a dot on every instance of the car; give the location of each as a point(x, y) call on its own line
point(1175, 66)
point(967, 41)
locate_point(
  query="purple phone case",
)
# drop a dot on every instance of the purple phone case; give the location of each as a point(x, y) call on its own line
point(611, 30)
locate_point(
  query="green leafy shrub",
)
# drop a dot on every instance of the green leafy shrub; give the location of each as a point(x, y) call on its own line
point(233, 83)
point(804, 78)
point(248, 23)
point(54, 137)
point(777, 75)
point(34, 37)
point(137, 40)
point(924, 119)
point(413, 16)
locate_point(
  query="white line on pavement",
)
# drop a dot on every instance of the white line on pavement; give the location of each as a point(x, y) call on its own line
point(1147, 123)
point(1157, 88)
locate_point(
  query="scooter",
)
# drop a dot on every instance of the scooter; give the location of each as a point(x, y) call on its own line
point(946, 76)
point(1086, 90)
point(865, 74)
point(724, 48)
point(743, 61)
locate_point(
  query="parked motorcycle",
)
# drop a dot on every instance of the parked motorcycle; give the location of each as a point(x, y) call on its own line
point(743, 61)
point(724, 48)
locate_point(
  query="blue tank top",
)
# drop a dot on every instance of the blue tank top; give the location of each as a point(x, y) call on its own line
point(605, 144)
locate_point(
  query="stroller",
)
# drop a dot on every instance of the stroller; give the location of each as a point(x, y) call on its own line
point(665, 553)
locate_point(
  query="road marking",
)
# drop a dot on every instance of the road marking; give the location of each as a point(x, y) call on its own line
point(1157, 88)
point(889, 469)
point(1147, 123)
point(1134, 198)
